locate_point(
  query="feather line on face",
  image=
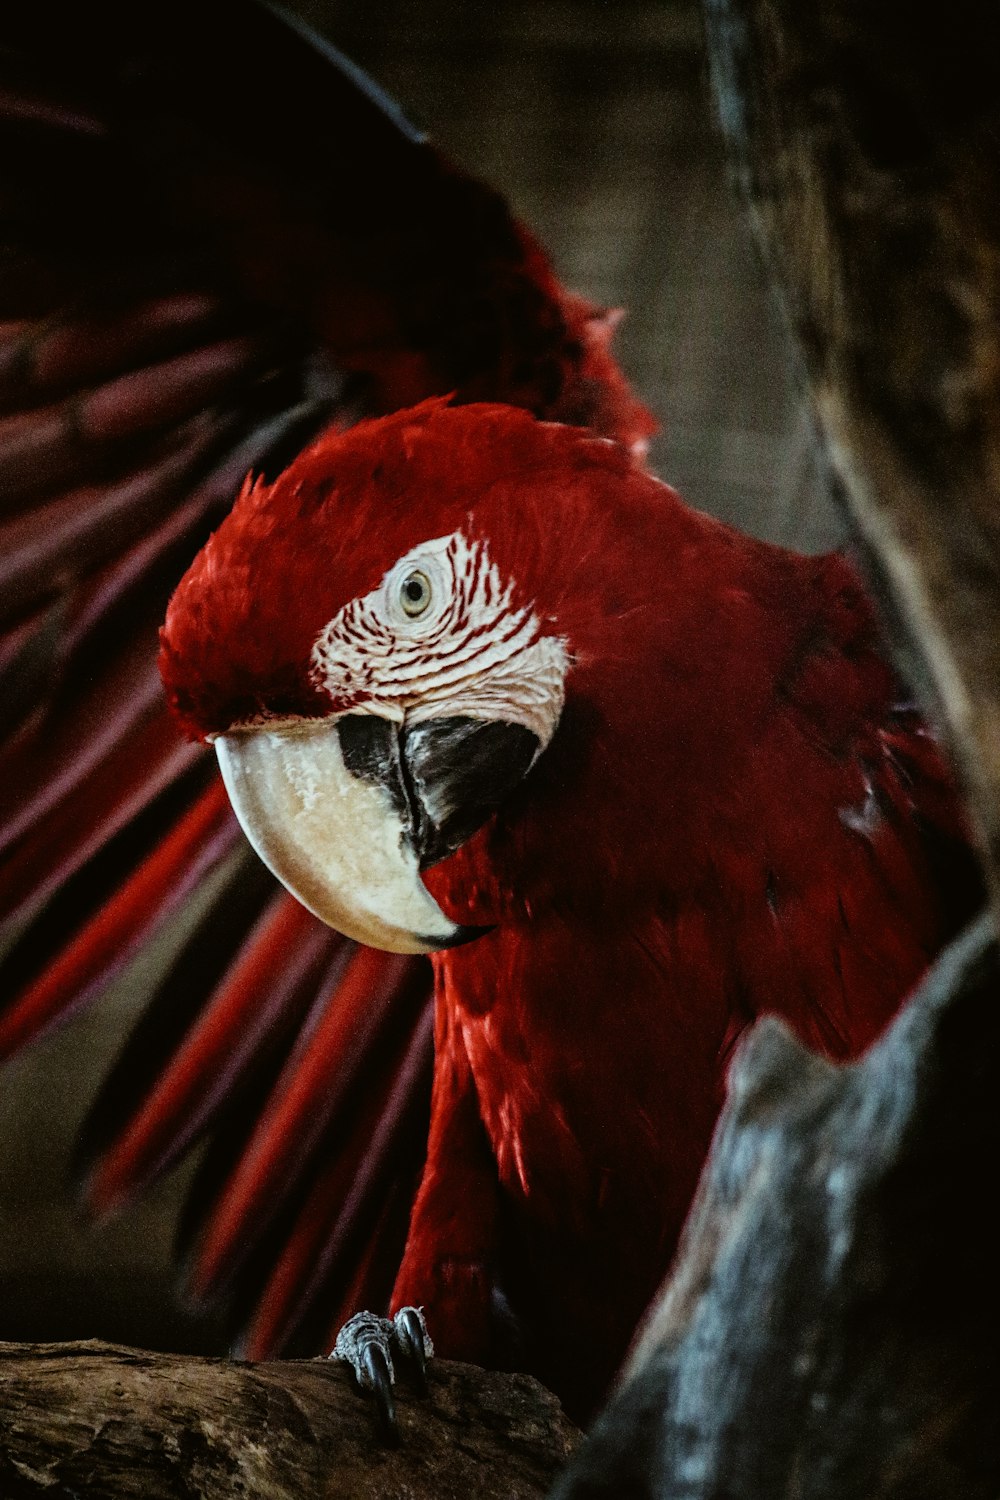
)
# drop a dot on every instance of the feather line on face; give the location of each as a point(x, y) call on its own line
point(440, 636)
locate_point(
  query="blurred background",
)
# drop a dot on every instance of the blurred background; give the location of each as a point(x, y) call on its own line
point(595, 120)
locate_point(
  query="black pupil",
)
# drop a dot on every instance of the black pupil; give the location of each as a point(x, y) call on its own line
point(414, 590)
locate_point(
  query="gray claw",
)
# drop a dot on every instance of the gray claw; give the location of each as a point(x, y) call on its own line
point(379, 1380)
point(414, 1342)
point(366, 1344)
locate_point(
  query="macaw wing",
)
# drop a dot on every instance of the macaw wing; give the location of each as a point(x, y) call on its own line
point(217, 237)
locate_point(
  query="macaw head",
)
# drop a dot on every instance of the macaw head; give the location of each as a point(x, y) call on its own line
point(379, 643)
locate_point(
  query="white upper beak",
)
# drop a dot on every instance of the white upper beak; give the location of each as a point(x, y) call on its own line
point(334, 839)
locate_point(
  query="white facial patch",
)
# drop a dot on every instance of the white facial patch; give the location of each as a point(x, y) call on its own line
point(440, 636)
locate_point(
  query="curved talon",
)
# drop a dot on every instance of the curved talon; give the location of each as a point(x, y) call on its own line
point(366, 1344)
point(378, 1378)
point(414, 1341)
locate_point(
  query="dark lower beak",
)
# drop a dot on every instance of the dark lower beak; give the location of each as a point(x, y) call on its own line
point(445, 777)
point(460, 772)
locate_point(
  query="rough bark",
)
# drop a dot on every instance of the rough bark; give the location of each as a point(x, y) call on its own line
point(98, 1420)
point(867, 139)
point(832, 1328)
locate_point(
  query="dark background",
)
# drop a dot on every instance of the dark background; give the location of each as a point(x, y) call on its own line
point(595, 120)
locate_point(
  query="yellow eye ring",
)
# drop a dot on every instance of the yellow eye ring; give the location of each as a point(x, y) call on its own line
point(415, 594)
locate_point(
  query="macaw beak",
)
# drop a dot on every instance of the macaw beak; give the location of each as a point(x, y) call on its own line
point(347, 811)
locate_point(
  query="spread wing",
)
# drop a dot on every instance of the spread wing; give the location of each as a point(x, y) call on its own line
point(216, 237)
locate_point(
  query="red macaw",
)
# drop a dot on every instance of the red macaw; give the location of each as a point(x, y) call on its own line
point(197, 278)
point(481, 687)
point(217, 239)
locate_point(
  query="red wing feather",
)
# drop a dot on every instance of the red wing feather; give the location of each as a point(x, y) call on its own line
point(337, 1057)
point(65, 838)
point(261, 994)
point(117, 930)
point(342, 1250)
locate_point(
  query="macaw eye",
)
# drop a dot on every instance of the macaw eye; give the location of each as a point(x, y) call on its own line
point(415, 593)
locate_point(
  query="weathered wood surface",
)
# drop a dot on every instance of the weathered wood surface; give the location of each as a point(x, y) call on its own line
point(867, 138)
point(96, 1420)
point(832, 1329)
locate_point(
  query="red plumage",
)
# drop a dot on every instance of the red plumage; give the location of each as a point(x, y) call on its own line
point(218, 239)
point(736, 815)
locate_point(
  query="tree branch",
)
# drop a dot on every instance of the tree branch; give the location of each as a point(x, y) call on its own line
point(98, 1420)
point(831, 1327)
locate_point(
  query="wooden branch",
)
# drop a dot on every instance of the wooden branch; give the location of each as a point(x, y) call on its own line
point(866, 135)
point(831, 1329)
point(98, 1420)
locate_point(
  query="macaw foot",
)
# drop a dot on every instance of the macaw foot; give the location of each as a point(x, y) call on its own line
point(368, 1342)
